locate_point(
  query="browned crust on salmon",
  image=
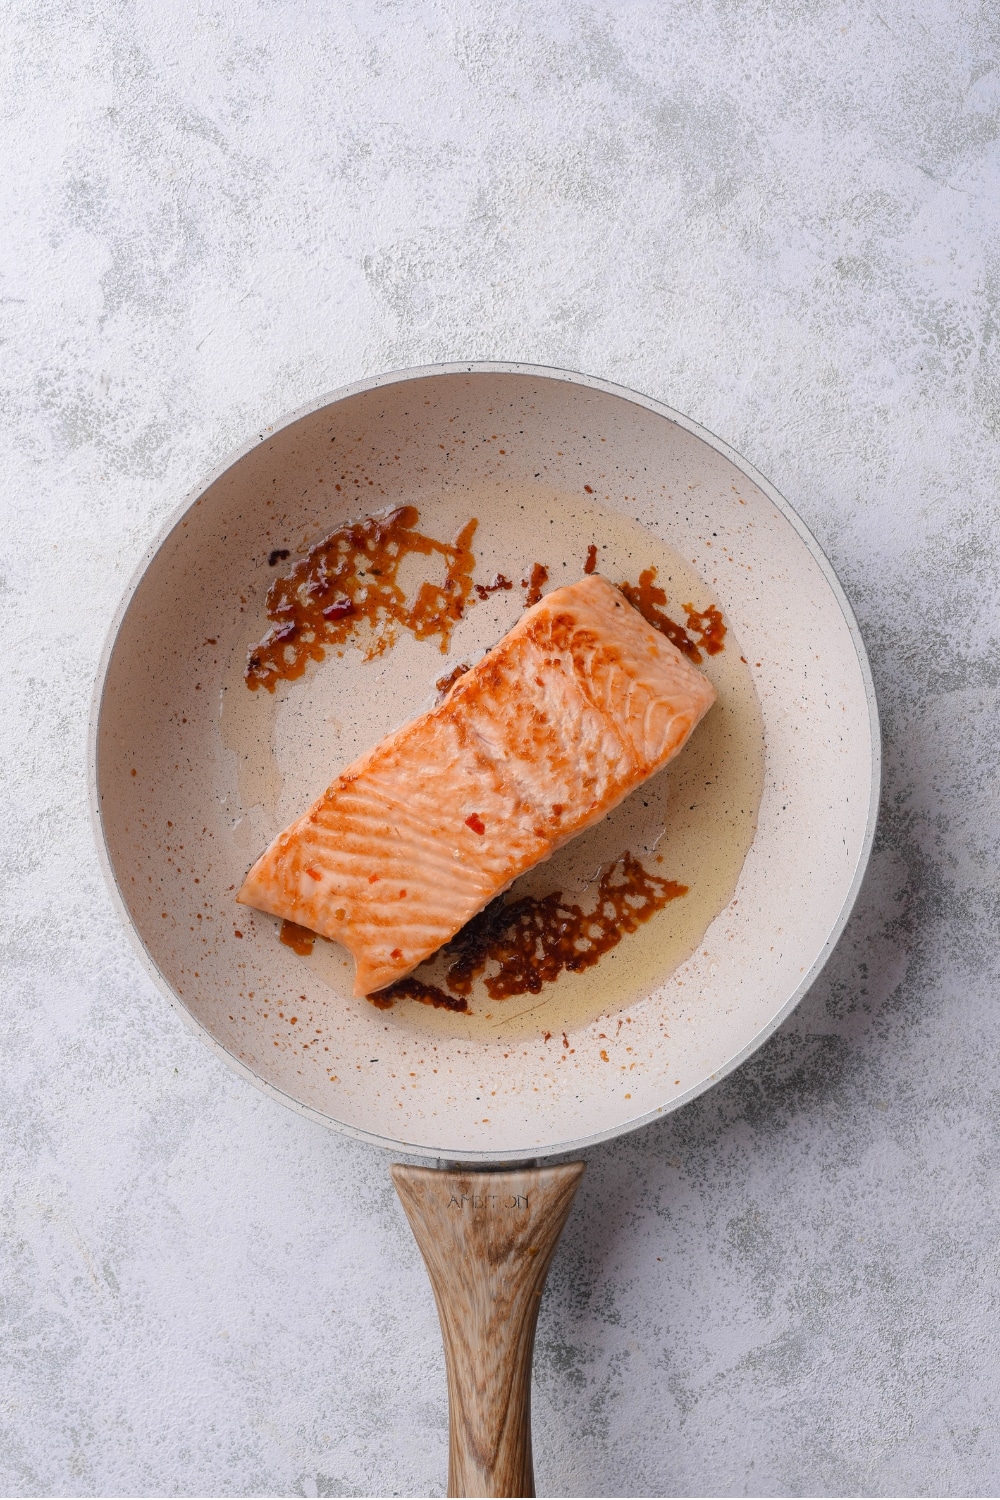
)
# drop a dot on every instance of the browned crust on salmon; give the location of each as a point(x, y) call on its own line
point(579, 704)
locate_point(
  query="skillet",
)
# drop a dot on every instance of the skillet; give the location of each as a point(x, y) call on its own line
point(768, 817)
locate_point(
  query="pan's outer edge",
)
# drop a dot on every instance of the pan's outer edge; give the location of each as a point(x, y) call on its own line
point(542, 372)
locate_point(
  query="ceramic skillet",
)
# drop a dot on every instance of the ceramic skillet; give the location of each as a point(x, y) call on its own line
point(191, 774)
point(767, 818)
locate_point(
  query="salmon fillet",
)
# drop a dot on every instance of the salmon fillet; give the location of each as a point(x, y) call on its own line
point(575, 708)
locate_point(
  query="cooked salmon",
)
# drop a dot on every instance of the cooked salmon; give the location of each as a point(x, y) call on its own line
point(575, 708)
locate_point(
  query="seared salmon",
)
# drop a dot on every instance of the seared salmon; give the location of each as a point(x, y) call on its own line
point(575, 708)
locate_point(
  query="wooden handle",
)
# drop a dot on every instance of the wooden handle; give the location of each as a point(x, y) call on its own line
point(487, 1239)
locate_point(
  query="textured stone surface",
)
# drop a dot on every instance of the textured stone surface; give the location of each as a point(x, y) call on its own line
point(781, 219)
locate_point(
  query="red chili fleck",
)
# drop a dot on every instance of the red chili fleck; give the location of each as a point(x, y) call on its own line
point(591, 562)
point(475, 822)
point(237, 933)
point(396, 953)
point(589, 489)
point(314, 873)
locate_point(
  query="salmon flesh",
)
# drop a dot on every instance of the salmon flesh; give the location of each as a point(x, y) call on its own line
point(577, 706)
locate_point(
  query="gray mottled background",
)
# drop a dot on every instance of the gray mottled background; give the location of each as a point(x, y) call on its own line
point(780, 218)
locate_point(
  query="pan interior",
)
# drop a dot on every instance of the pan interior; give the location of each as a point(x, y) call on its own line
point(764, 816)
point(693, 823)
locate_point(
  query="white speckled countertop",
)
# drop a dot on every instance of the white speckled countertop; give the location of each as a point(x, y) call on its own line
point(779, 218)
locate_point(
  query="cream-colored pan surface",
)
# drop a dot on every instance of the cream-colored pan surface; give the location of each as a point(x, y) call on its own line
point(767, 816)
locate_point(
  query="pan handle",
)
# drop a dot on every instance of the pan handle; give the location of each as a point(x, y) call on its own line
point(487, 1239)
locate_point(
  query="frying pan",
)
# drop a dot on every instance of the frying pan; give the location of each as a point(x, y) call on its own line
point(192, 775)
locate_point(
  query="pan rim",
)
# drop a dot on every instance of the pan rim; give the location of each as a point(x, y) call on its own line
point(484, 367)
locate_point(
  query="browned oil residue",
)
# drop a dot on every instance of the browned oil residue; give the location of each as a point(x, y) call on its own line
point(535, 584)
point(709, 626)
point(591, 562)
point(416, 989)
point(446, 683)
point(299, 939)
point(484, 590)
point(705, 631)
point(351, 576)
point(534, 939)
